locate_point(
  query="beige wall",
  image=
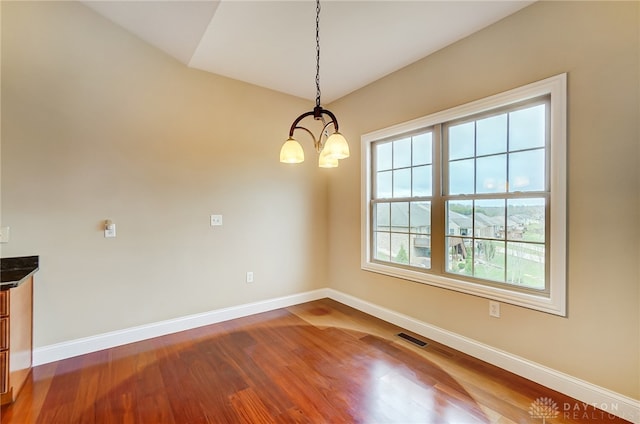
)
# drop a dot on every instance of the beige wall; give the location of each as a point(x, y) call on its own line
point(97, 125)
point(597, 44)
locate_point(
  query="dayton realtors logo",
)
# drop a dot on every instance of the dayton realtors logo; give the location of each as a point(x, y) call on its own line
point(544, 408)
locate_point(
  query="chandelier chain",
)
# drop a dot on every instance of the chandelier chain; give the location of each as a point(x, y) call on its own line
point(318, 53)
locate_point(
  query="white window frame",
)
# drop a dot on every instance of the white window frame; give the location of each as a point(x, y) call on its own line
point(554, 301)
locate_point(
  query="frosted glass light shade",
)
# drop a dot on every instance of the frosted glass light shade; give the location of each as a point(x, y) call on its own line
point(324, 161)
point(291, 151)
point(336, 146)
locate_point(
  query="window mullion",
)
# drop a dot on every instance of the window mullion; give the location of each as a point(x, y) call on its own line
point(439, 179)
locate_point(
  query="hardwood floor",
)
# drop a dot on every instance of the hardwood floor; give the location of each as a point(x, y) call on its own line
point(319, 362)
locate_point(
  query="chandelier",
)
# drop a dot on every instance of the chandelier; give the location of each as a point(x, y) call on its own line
point(332, 147)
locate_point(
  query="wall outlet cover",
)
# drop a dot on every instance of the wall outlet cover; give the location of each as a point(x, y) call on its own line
point(216, 220)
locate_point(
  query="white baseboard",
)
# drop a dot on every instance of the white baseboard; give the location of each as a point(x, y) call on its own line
point(63, 350)
point(583, 391)
point(590, 394)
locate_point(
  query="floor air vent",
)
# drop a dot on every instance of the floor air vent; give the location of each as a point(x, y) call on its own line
point(412, 339)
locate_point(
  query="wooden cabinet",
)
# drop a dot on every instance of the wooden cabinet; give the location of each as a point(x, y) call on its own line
point(4, 342)
point(16, 339)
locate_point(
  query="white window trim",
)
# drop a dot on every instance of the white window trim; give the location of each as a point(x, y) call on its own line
point(555, 301)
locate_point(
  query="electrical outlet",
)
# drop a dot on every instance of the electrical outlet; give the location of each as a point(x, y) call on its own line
point(494, 309)
point(249, 277)
point(216, 220)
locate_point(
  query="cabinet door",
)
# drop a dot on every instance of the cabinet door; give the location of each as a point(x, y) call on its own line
point(4, 374)
point(4, 333)
point(4, 303)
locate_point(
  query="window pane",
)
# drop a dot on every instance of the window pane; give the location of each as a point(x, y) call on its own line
point(422, 149)
point(459, 256)
point(402, 153)
point(527, 170)
point(402, 183)
point(420, 217)
point(527, 128)
point(384, 155)
point(420, 254)
point(489, 218)
point(459, 221)
point(400, 217)
point(491, 135)
point(492, 174)
point(461, 177)
point(461, 141)
point(400, 248)
point(526, 219)
point(422, 180)
point(489, 260)
point(525, 264)
point(381, 242)
point(383, 184)
point(382, 216)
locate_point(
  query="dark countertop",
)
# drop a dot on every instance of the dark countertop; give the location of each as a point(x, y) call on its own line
point(14, 271)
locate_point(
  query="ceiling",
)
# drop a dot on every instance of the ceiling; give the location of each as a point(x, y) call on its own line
point(272, 43)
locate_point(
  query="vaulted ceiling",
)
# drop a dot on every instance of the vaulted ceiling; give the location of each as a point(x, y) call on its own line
point(272, 43)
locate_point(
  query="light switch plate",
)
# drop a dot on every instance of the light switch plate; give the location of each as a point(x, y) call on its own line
point(4, 234)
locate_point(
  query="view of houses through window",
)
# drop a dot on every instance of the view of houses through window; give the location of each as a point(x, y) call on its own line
point(485, 242)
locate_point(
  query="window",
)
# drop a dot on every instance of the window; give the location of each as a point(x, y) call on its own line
point(402, 206)
point(473, 198)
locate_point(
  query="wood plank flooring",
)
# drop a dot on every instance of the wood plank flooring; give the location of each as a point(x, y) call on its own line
point(319, 362)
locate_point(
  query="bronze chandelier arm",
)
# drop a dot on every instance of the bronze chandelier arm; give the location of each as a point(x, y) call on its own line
point(317, 142)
